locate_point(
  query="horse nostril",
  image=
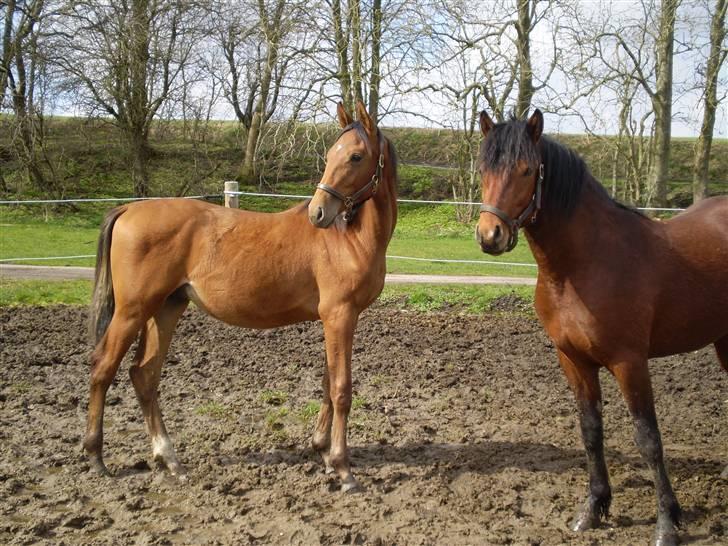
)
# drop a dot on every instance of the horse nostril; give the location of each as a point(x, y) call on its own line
point(496, 233)
point(320, 214)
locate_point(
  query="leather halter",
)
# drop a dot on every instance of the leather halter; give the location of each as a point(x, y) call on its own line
point(352, 202)
point(529, 213)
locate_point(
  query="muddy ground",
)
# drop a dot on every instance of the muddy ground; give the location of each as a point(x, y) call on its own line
point(463, 432)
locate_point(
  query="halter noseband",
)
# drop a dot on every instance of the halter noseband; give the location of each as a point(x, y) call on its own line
point(352, 202)
point(530, 212)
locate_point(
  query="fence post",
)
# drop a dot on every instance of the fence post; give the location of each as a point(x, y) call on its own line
point(231, 201)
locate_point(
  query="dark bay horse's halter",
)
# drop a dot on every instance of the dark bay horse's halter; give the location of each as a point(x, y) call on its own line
point(530, 212)
point(352, 202)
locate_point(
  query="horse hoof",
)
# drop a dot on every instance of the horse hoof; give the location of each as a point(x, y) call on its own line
point(178, 471)
point(98, 466)
point(668, 538)
point(351, 487)
point(328, 469)
point(584, 521)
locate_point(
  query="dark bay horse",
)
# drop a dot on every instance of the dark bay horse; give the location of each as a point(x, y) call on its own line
point(615, 288)
point(249, 269)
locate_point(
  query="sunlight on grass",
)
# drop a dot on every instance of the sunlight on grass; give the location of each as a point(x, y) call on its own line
point(16, 292)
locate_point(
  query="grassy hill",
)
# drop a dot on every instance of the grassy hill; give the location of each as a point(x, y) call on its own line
point(90, 159)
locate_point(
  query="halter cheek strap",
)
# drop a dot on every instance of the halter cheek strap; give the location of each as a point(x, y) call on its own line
point(353, 202)
point(529, 214)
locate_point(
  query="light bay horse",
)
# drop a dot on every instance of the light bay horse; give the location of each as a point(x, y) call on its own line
point(322, 260)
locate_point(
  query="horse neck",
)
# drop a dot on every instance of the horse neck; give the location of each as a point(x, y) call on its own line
point(561, 245)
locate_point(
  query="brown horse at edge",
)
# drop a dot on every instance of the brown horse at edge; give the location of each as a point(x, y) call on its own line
point(614, 289)
point(253, 270)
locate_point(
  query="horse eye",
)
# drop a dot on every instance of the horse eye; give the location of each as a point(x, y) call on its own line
point(355, 157)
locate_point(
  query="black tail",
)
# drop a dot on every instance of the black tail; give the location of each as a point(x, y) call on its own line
point(102, 305)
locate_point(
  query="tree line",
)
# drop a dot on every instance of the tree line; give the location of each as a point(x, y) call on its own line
point(278, 66)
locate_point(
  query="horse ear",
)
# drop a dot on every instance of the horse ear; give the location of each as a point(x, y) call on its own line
point(343, 115)
point(365, 118)
point(486, 124)
point(534, 125)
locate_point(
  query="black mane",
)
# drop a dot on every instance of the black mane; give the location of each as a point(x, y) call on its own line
point(565, 172)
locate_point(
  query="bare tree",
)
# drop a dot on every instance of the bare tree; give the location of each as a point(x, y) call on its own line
point(481, 58)
point(662, 101)
point(22, 75)
point(370, 49)
point(124, 59)
point(717, 55)
point(259, 41)
point(630, 51)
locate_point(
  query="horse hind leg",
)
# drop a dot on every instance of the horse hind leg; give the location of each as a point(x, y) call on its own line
point(145, 374)
point(634, 382)
point(105, 360)
point(721, 349)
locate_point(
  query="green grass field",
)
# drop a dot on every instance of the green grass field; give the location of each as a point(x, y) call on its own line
point(423, 298)
point(422, 232)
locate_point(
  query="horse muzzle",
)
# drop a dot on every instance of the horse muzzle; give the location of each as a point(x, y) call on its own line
point(322, 210)
point(492, 241)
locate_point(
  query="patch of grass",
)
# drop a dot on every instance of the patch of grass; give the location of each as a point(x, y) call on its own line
point(213, 409)
point(309, 411)
point(39, 231)
point(359, 402)
point(273, 397)
point(35, 292)
point(475, 299)
point(274, 418)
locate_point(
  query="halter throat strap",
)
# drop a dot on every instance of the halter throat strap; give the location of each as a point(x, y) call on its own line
point(353, 202)
point(529, 214)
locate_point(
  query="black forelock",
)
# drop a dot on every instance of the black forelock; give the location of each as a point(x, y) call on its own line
point(507, 143)
point(565, 172)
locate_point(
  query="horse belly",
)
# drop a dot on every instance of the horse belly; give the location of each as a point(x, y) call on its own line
point(681, 332)
point(246, 308)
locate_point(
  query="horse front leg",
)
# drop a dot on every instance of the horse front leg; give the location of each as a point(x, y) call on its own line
point(633, 377)
point(322, 432)
point(583, 378)
point(339, 325)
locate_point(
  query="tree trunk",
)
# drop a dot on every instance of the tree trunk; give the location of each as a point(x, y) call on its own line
point(662, 105)
point(523, 47)
point(342, 47)
point(272, 35)
point(251, 144)
point(705, 139)
point(356, 53)
point(376, 60)
point(139, 146)
point(136, 118)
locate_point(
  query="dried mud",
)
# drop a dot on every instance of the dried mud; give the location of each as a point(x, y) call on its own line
point(463, 432)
